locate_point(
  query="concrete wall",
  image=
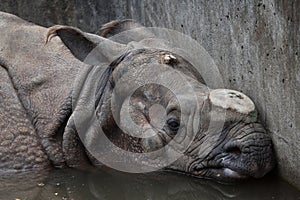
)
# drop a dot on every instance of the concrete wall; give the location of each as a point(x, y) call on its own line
point(256, 45)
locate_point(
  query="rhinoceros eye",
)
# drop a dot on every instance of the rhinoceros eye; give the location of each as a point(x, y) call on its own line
point(173, 124)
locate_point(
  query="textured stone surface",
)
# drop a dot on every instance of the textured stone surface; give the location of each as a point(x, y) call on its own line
point(255, 44)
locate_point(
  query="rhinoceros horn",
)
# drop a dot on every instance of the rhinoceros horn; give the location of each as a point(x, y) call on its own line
point(236, 105)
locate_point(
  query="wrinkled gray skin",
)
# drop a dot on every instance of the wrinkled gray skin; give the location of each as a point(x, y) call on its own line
point(37, 118)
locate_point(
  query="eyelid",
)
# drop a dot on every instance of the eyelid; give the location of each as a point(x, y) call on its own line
point(172, 108)
point(173, 115)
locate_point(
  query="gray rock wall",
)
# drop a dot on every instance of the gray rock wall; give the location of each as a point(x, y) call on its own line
point(255, 44)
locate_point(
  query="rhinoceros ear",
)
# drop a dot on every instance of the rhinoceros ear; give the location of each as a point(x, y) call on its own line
point(81, 44)
point(117, 26)
point(133, 31)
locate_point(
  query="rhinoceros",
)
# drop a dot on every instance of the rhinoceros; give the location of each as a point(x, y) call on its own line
point(55, 96)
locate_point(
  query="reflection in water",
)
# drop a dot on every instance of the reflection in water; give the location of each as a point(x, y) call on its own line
point(108, 184)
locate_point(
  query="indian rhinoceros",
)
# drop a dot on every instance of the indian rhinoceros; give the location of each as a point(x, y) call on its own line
point(47, 93)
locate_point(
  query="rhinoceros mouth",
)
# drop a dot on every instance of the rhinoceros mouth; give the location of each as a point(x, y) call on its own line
point(223, 173)
point(219, 173)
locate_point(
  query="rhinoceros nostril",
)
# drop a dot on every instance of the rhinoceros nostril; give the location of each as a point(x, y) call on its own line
point(234, 150)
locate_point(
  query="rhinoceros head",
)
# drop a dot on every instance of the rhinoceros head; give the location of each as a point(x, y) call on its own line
point(151, 103)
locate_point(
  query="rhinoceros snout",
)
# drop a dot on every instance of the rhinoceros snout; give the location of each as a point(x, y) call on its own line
point(243, 151)
point(250, 156)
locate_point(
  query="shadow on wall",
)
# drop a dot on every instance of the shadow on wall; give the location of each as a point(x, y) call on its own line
point(255, 44)
point(86, 15)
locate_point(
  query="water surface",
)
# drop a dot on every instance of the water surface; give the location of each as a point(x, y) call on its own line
point(109, 184)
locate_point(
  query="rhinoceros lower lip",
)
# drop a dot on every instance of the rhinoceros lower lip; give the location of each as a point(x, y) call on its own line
point(231, 173)
point(222, 173)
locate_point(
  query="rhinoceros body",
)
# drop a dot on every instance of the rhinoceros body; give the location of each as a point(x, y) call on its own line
point(45, 91)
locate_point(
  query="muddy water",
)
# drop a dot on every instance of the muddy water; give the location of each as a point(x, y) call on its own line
point(108, 184)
